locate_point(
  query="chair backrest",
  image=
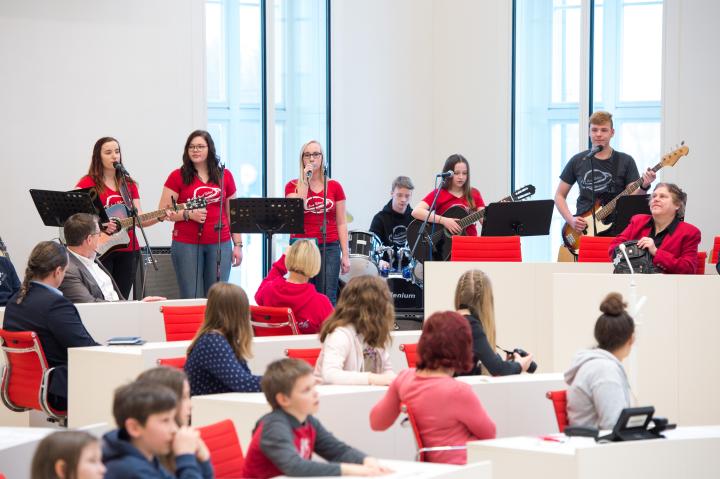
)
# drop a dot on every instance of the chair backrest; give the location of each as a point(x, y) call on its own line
point(178, 363)
point(309, 355)
point(272, 321)
point(594, 249)
point(411, 355)
point(26, 375)
point(702, 258)
point(421, 448)
point(486, 248)
point(559, 402)
point(226, 455)
point(715, 250)
point(182, 322)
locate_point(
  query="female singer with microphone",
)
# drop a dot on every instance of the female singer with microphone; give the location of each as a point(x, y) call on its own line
point(455, 190)
point(107, 181)
point(310, 187)
point(195, 239)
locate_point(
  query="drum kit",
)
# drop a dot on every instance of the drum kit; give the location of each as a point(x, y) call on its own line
point(404, 275)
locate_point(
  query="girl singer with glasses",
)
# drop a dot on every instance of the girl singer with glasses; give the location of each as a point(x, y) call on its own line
point(194, 240)
point(309, 186)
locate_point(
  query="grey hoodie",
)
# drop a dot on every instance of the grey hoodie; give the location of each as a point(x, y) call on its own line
point(599, 389)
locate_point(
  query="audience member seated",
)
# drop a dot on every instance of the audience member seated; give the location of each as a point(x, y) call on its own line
point(145, 415)
point(474, 300)
point(40, 307)
point(671, 241)
point(176, 380)
point(285, 439)
point(9, 281)
point(311, 308)
point(445, 348)
point(356, 336)
point(86, 279)
point(217, 357)
point(68, 455)
point(598, 386)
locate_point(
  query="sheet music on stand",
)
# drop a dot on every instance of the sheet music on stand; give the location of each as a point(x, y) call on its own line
point(55, 207)
point(627, 207)
point(522, 218)
point(267, 215)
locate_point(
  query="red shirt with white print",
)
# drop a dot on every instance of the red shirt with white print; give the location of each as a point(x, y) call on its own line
point(314, 211)
point(187, 231)
point(447, 200)
point(109, 198)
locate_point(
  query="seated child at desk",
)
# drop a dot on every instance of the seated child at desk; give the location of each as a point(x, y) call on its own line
point(67, 455)
point(285, 439)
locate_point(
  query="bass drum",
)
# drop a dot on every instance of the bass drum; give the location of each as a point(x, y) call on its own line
point(362, 249)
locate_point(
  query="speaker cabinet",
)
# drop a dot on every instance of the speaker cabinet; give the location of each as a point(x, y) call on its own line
point(161, 282)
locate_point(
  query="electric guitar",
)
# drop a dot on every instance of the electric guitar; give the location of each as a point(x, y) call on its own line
point(571, 237)
point(118, 214)
point(441, 238)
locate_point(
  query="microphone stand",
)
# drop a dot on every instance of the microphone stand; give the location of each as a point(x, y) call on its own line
point(323, 229)
point(219, 225)
point(424, 223)
point(635, 306)
point(592, 189)
point(127, 198)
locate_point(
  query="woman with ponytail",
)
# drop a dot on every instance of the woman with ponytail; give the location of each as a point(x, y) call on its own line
point(39, 306)
point(599, 388)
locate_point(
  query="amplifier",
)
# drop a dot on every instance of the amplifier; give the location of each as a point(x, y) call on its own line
point(408, 299)
point(161, 282)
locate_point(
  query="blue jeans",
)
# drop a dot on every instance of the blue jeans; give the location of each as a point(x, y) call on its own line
point(195, 266)
point(333, 271)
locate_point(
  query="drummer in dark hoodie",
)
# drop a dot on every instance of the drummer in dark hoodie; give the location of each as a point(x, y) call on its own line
point(390, 224)
point(301, 263)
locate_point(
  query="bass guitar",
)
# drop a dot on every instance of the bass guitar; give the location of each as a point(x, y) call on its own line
point(441, 239)
point(571, 237)
point(118, 214)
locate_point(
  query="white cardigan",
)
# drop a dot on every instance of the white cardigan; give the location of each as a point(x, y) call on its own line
point(341, 359)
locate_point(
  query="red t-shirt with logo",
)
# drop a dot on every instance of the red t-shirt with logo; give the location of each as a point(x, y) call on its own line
point(314, 210)
point(187, 231)
point(111, 197)
point(447, 200)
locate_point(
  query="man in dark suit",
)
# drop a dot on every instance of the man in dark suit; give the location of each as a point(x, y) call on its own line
point(40, 307)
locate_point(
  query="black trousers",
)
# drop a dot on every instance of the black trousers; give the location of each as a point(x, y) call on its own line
point(122, 266)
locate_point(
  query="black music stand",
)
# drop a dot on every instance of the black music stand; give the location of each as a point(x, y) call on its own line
point(55, 207)
point(268, 216)
point(521, 218)
point(627, 207)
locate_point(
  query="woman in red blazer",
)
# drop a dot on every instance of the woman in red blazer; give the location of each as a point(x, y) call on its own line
point(672, 242)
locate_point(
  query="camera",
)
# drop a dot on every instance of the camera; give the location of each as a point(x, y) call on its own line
point(533, 365)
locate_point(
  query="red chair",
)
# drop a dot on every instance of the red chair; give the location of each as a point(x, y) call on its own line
point(486, 248)
point(594, 249)
point(702, 258)
point(178, 363)
point(421, 449)
point(26, 376)
point(559, 402)
point(411, 355)
point(309, 355)
point(182, 322)
point(271, 321)
point(715, 250)
point(226, 454)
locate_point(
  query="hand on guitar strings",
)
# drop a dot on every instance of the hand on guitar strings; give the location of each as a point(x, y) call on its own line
point(578, 223)
point(109, 228)
point(451, 224)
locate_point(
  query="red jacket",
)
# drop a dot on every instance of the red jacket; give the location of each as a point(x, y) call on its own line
point(678, 252)
point(310, 307)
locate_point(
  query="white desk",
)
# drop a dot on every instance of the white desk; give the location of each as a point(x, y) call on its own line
point(479, 470)
point(690, 452)
point(101, 369)
point(517, 404)
point(523, 294)
point(673, 364)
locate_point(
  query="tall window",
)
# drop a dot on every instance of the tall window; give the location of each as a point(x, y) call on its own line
point(290, 49)
point(553, 89)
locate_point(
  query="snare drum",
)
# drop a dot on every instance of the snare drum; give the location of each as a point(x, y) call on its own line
point(362, 249)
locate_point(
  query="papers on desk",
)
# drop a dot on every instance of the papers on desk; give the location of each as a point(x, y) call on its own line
point(125, 341)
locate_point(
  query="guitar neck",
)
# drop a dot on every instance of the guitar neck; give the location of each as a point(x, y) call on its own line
point(470, 219)
point(606, 210)
point(128, 222)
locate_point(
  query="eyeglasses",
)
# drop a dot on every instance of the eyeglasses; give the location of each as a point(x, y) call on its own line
point(315, 154)
point(197, 147)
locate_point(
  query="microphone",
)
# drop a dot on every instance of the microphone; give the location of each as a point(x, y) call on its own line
point(623, 250)
point(309, 174)
point(447, 174)
point(119, 166)
point(595, 149)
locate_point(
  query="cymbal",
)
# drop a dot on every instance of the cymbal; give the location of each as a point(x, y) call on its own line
point(349, 217)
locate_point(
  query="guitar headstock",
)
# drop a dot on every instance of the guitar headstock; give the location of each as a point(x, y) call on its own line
point(671, 158)
point(522, 193)
point(195, 203)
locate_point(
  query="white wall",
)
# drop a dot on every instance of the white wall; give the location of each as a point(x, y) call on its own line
point(691, 106)
point(414, 81)
point(77, 70)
